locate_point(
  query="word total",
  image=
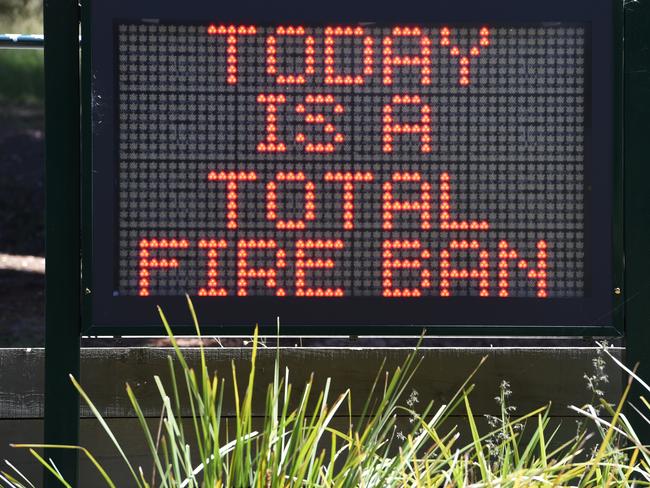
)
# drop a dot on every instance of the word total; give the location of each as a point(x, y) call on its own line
point(351, 183)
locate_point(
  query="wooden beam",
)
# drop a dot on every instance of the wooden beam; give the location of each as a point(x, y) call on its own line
point(537, 375)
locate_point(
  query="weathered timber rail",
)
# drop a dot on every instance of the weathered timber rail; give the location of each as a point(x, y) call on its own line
point(537, 376)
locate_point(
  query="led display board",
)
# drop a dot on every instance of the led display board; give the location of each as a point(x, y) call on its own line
point(344, 167)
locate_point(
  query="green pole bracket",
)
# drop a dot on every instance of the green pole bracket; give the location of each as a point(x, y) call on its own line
point(62, 227)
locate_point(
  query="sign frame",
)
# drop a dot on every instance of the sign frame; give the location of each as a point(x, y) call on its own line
point(615, 330)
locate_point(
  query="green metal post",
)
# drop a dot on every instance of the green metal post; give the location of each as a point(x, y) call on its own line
point(637, 197)
point(62, 281)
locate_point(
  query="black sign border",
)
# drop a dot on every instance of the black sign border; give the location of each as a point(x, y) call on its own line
point(102, 313)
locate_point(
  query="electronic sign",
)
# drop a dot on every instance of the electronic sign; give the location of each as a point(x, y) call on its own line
point(351, 166)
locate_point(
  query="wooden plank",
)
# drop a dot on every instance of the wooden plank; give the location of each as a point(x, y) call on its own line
point(537, 375)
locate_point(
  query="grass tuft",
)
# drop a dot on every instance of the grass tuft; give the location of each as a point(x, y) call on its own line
point(298, 442)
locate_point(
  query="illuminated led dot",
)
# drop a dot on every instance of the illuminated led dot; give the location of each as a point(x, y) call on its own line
point(423, 60)
point(388, 265)
point(445, 217)
point(310, 263)
point(481, 274)
point(464, 61)
point(270, 143)
point(271, 201)
point(367, 67)
point(271, 61)
point(145, 265)
point(245, 273)
point(423, 127)
point(231, 32)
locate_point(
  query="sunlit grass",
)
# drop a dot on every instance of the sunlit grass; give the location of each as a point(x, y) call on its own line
point(299, 444)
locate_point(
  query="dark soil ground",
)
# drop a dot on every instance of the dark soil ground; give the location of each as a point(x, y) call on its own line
point(22, 198)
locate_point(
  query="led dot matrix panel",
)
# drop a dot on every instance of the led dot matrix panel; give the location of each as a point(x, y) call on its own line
point(435, 170)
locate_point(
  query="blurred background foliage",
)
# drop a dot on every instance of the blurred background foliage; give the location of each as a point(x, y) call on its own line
point(25, 16)
point(22, 195)
point(21, 70)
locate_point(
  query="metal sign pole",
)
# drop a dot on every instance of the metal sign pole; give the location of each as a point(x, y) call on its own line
point(637, 202)
point(62, 170)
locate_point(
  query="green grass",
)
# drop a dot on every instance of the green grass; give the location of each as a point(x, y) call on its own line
point(21, 71)
point(21, 77)
point(299, 445)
